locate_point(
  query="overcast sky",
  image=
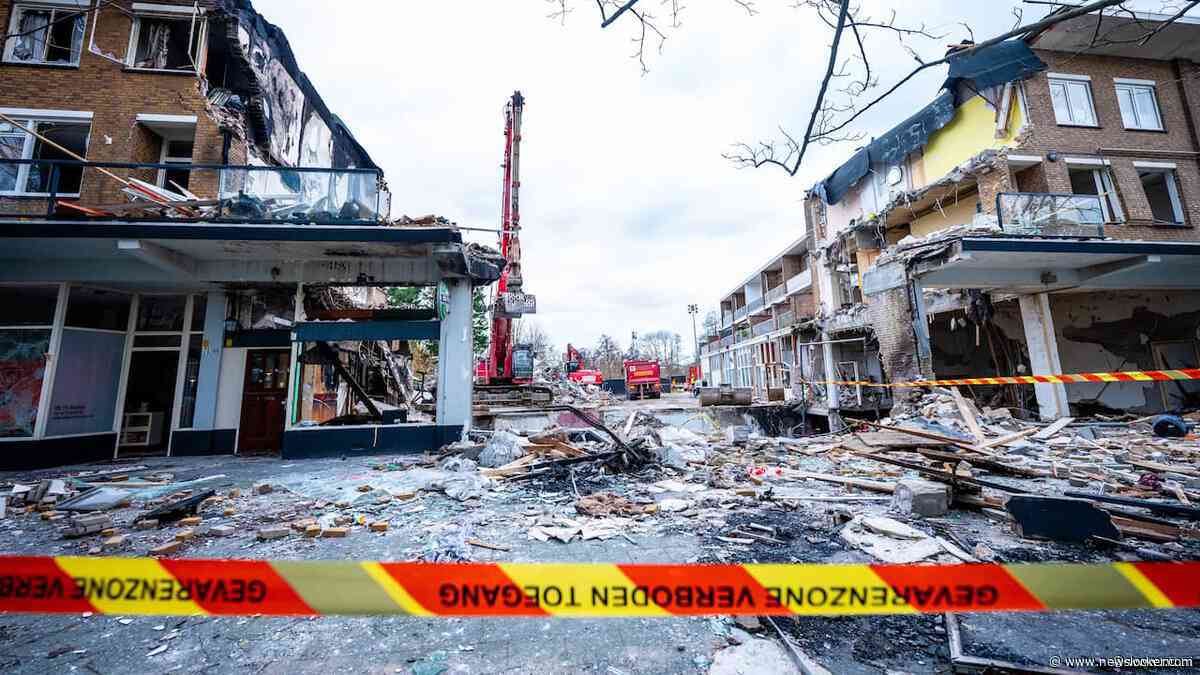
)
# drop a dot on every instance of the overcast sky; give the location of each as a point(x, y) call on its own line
point(629, 212)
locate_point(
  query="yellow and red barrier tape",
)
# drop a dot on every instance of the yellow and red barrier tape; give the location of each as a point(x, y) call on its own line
point(1073, 378)
point(304, 588)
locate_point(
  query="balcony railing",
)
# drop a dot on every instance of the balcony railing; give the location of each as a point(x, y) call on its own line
point(727, 341)
point(776, 294)
point(726, 319)
point(215, 192)
point(763, 328)
point(1050, 214)
point(799, 282)
point(785, 319)
point(755, 306)
point(739, 314)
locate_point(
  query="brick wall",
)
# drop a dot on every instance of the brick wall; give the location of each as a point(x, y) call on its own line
point(115, 97)
point(1176, 94)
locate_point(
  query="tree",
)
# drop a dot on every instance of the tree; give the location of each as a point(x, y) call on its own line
point(609, 357)
point(836, 108)
point(528, 332)
point(665, 347)
point(712, 322)
point(422, 297)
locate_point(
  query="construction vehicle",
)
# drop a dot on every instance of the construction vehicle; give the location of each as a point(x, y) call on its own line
point(576, 371)
point(505, 376)
point(642, 379)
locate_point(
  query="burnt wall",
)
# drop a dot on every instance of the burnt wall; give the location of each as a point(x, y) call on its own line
point(1129, 330)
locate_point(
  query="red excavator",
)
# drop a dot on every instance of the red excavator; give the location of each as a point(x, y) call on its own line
point(506, 375)
point(576, 372)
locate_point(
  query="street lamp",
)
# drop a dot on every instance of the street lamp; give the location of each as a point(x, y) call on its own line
point(694, 309)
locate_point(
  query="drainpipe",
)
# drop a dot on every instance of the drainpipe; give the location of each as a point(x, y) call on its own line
point(1188, 112)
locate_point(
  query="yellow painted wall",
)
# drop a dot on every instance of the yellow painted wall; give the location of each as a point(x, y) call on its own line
point(951, 214)
point(972, 131)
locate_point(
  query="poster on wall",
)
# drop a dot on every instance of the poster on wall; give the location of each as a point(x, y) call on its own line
point(22, 369)
point(86, 382)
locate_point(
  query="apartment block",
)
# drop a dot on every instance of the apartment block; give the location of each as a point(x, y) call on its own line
point(1037, 217)
point(193, 246)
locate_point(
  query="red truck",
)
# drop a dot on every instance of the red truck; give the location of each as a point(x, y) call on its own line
point(642, 379)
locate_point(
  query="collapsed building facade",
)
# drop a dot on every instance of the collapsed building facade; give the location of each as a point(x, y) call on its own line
point(194, 247)
point(1038, 217)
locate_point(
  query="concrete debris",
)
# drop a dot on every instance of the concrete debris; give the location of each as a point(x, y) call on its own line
point(890, 540)
point(921, 498)
point(755, 656)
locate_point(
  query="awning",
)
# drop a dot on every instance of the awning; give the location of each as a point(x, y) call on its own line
point(1026, 265)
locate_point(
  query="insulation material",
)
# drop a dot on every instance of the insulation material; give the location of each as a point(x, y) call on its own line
point(281, 103)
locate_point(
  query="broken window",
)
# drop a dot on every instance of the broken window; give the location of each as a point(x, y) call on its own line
point(47, 36)
point(1098, 182)
point(1072, 97)
point(175, 152)
point(1162, 191)
point(36, 178)
point(160, 43)
point(26, 317)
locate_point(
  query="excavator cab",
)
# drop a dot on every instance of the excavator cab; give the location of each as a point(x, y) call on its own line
point(522, 363)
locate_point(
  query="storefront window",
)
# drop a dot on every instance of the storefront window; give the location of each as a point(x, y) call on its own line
point(22, 371)
point(161, 313)
point(86, 381)
point(27, 305)
point(96, 308)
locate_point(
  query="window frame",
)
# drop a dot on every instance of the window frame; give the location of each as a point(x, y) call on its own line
point(61, 6)
point(199, 31)
point(165, 158)
point(1120, 83)
point(1066, 80)
point(1171, 178)
point(1106, 187)
point(34, 117)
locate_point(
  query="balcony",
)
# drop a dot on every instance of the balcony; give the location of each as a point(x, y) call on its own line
point(799, 282)
point(726, 319)
point(739, 314)
point(1047, 214)
point(755, 306)
point(213, 193)
point(776, 294)
point(763, 328)
point(785, 319)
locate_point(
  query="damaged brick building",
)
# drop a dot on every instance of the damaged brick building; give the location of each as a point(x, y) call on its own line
point(190, 240)
point(1037, 217)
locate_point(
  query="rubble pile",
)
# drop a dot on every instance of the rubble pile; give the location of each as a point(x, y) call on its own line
point(946, 482)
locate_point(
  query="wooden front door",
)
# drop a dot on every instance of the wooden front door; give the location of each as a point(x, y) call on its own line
point(264, 400)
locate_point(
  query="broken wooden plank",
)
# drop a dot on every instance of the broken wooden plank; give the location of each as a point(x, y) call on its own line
point(968, 415)
point(1053, 428)
point(484, 544)
point(1155, 507)
point(920, 433)
point(1167, 468)
point(1005, 440)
